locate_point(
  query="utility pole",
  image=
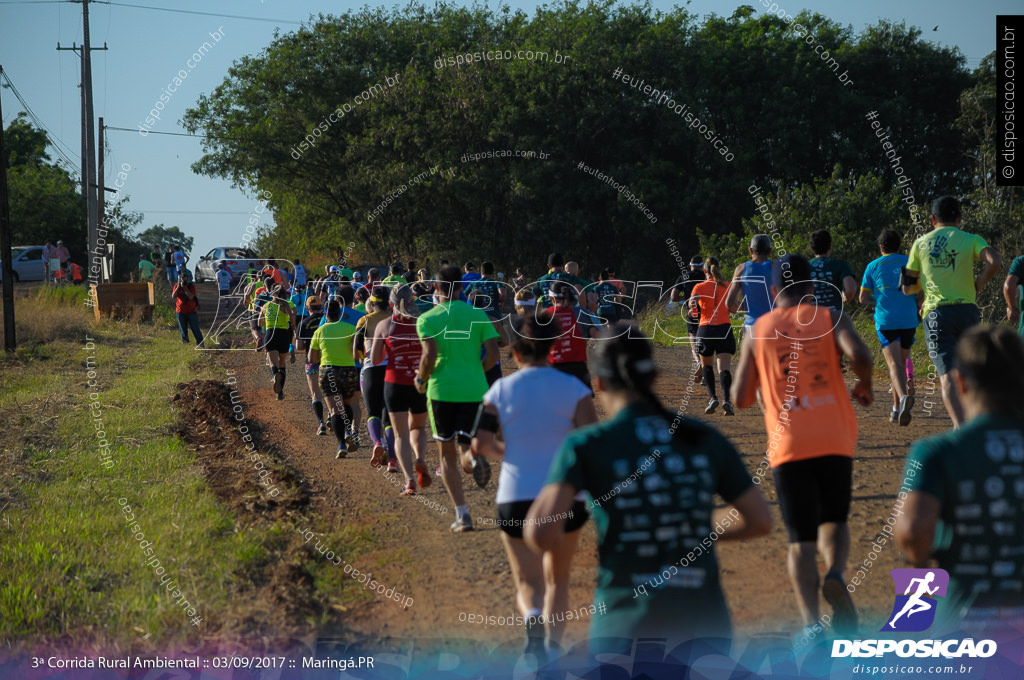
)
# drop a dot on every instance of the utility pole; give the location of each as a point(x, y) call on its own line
point(89, 182)
point(100, 189)
point(10, 344)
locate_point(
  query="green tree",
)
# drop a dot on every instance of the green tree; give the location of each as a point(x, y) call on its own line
point(165, 236)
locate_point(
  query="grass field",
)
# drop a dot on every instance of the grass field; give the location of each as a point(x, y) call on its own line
point(74, 574)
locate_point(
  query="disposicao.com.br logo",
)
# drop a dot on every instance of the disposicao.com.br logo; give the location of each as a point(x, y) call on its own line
point(914, 609)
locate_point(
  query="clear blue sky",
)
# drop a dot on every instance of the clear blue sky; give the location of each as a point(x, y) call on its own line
point(148, 47)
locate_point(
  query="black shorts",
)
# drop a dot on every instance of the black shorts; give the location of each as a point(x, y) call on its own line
point(339, 380)
point(904, 335)
point(493, 375)
point(812, 492)
point(578, 369)
point(712, 340)
point(451, 419)
point(512, 517)
point(224, 292)
point(371, 382)
point(404, 398)
point(277, 340)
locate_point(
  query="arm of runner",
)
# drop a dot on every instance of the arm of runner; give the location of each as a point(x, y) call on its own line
point(915, 528)
point(427, 361)
point(491, 356)
point(745, 381)
point(485, 442)
point(755, 517)
point(849, 288)
point(910, 281)
point(993, 261)
point(861, 362)
point(551, 505)
point(378, 349)
point(1012, 297)
point(735, 295)
point(314, 357)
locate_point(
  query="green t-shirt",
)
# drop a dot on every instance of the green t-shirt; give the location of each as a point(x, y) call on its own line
point(945, 258)
point(652, 495)
point(146, 267)
point(977, 475)
point(336, 341)
point(543, 285)
point(275, 316)
point(460, 331)
point(394, 280)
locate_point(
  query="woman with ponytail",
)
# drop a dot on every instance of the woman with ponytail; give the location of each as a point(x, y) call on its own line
point(715, 340)
point(658, 575)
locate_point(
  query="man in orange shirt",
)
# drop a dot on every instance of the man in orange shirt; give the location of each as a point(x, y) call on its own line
point(793, 356)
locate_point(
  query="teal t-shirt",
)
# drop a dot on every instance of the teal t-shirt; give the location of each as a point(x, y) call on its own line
point(460, 331)
point(977, 475)
point(652, 496)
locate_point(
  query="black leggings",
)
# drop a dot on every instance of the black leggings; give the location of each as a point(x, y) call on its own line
point(372, 381)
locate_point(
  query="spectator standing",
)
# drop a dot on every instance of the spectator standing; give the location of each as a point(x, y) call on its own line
point(186, 305)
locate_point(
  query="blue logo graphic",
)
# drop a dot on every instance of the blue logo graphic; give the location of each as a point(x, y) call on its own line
point(917, 591)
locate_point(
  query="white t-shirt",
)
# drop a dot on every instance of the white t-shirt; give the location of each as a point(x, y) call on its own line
point(300, 275)
point(536, 407)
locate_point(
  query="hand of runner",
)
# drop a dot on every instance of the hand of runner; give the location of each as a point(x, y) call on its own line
point(861, 392)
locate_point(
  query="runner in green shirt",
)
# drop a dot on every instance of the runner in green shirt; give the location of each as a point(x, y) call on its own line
point(943, 260)
point(652, 479)
point(1012, 293)
point(451, 374)
point(333, 348)
point(964, 506)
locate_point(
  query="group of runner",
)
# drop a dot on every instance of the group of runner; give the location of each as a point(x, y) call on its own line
point(420, 346)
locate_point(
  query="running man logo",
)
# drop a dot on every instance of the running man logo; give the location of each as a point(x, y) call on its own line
point(914, 610)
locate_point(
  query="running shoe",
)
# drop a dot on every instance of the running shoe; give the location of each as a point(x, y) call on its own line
point(844, 614)
point(462, 525)
point(409, 490)
point(481, 471)
point(278, 383)
point(352, 439)
point(894, 416)
point(712, 405)
point(392, 467)
point(437, 471)
point(906, 403)
point(423, 475)
point(379, 455)
point(280, 396)
point(534, 650)
point(342, 452)
point(322, 430)
point(727, 407)
point(698, 374)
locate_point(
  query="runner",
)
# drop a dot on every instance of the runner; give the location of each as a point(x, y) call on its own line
point(303, 338)
point(689, 462)
point(555, 273)
point(750, 282)
point(486, 293)
point(793, 355)
point(224, 285)
point(576, 327)
point(299, 273)
point(333, 349)
point(397, 346)
point(608, 297)
point(470, 274)
point(298, 299)
point(278, 317)
point(964, 507)
point(534, 408)
point(410, 272)
point(524, 301)
point(452, 376)
point(833, 279)
point(584, 291)
point(519, 280)
point(362, 294)
point(1012, 293)
point(328, 286)
point(895, 319)
point(423, 290)
point(943, 260)
point(396, 278)
point(371, 381)
point(680, 294)
point(715, 340)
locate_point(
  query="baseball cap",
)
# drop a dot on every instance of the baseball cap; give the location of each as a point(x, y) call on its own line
point(313, 301)
point(333, 269)
point(357, 276)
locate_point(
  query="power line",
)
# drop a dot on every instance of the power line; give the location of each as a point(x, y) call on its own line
point(178, 134)
point(208, 14)
point(32, 114)
point(192, 212)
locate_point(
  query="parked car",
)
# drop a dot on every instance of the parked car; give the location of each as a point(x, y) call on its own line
point(27, 262)
point(238, 261)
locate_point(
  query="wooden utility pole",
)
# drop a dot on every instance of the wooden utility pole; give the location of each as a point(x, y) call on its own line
point(10, 342)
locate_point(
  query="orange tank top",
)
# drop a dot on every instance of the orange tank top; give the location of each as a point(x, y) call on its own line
point(808, 413)
point(711, 302)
